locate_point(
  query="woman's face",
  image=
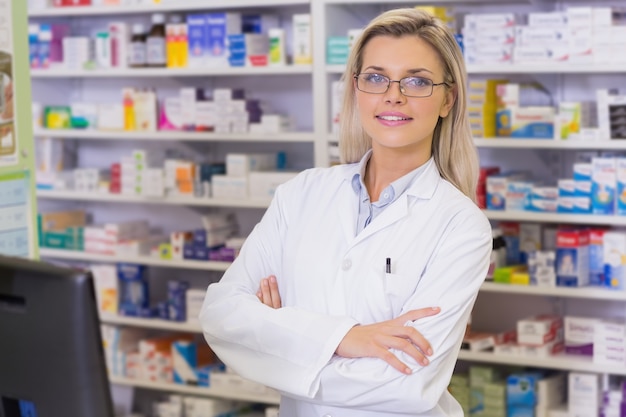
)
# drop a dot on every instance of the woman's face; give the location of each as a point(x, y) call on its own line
point(393, 120)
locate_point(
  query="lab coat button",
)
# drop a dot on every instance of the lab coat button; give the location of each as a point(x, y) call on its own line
point(347, 264)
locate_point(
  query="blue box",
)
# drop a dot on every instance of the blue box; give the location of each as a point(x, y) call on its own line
point(521, 389)
point(197, 39)
point(185, 360)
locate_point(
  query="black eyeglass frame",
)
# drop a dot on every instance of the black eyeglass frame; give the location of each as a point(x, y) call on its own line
point(389, 81)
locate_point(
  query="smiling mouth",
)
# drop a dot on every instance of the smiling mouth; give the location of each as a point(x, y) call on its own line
point(393, 118)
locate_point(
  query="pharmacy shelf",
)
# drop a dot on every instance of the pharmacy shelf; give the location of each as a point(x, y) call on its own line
point(565, 292)
point(225, 393)
point(143, 260)
point(143, 323)
point(564, 218)
point(547, 68)
point(171, 72)
point(561, 362)
point(166, 135)
point(529, 143)
point(177, 201)
point(556, 68)
point(162, 7)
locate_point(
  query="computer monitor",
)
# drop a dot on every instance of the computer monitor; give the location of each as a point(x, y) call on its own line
point(51, 355)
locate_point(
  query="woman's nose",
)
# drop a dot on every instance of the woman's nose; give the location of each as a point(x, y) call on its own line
point(394, 92)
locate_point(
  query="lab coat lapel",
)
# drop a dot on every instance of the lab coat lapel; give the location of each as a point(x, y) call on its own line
point(396, 211)
point(422, 188)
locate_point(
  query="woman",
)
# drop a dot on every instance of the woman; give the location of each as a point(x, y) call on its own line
point(359, 254)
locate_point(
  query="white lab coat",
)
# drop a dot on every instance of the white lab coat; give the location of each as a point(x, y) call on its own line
point(439, 243)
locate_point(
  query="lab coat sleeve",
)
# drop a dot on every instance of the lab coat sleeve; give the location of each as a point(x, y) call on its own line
point(282, 348)
point(451, 281)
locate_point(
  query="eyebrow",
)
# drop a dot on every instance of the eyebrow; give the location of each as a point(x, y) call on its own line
point(411, 71)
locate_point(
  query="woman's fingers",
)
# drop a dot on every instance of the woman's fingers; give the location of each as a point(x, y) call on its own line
point(417, 314)
point(377, 340)
point(268, 292)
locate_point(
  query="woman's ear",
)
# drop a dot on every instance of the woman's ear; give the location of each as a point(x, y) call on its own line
point(448, 103)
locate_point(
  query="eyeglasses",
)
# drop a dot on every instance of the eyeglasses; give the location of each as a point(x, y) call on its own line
point(373, 83)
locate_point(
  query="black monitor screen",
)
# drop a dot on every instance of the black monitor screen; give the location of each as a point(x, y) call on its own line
point(51, 354)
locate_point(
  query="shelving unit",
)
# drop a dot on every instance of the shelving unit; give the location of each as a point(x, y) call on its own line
point(122, 198)
point(172, 72)
point(173, 135)
point(201, 391)
point(143, 260)
point(558, 362)
point(318, 138)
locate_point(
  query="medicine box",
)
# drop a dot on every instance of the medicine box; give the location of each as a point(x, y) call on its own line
point(614, 243)
point(572, 258)
point(579, 335)
point(603, 185)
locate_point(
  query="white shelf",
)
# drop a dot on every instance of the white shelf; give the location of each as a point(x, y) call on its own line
point(591, 293)
point(171, 72)
point(530, 216)
point(520, 143)
point(557, 68)
point(143, 260)
point(163, 135)
point(561, 362)
point(202, 391)
point(168, 6)
point(145, 323)
point(547, 68)
point(177, 201)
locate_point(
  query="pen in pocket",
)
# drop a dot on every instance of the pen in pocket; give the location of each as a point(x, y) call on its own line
point(388, 266)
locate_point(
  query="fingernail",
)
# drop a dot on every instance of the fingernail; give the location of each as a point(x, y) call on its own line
point(425, 361)
point(273, 278)
point(436, 308)
point(429, 352)
point(264, 283)
point(408, 371)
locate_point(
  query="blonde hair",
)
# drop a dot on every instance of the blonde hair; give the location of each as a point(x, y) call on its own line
point(453, 146)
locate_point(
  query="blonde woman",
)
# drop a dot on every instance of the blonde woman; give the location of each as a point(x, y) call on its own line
point(372, 266)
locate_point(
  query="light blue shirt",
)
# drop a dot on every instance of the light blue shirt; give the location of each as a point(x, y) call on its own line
point(368, 210)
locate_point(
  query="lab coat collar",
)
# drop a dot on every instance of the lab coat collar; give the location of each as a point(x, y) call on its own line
point(422, 188)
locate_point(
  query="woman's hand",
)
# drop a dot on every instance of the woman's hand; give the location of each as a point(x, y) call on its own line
point(376, 340)
point(268, 292)
point(372, 340)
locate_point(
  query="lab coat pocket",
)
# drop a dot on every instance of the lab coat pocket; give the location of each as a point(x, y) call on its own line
point(399, 289)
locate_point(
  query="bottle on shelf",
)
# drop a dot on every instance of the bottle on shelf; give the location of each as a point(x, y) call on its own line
point(155, 42)
point(137, 56)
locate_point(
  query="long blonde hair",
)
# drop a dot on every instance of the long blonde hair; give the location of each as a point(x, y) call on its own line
point(453, 146)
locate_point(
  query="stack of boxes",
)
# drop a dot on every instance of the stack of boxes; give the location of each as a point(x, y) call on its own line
point(62, 229)
point(488, 38)
point(584, 392)
point(206, 243)
point(609, 343)
point(135, 175)
point(252, 176)
point(130, 238)
point(479, 378)
point(540, 336)
point(495, 399)
point(482, 105)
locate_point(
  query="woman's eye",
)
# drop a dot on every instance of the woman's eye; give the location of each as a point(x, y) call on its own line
point(376, 78)
point(417, 82)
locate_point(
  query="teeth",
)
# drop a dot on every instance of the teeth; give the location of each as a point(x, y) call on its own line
point(393, 118)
